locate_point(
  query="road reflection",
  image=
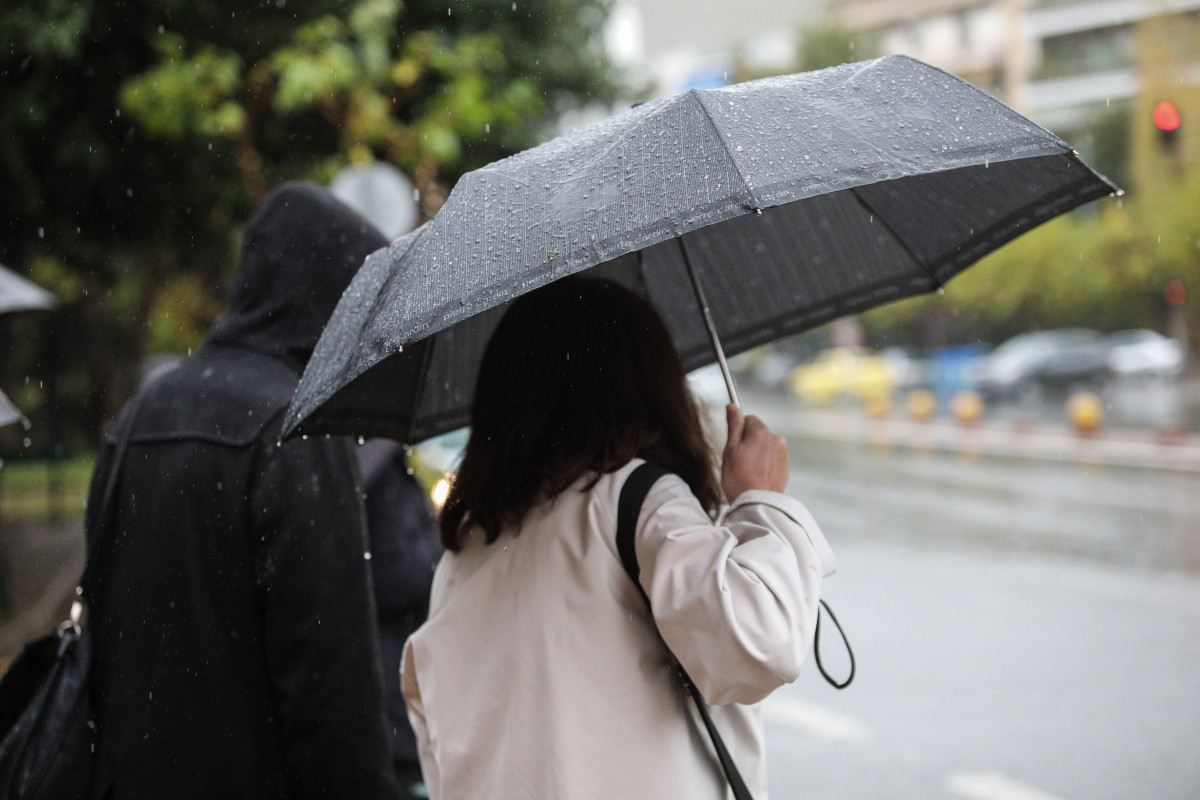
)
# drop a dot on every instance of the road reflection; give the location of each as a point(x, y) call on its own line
point(1146, 518)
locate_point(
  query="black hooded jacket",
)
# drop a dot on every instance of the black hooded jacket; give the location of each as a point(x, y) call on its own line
point(235, 641)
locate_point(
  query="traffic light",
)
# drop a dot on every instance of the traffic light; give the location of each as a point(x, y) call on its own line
point(1167, 120)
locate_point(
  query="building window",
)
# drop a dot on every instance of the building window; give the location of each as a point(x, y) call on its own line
point(1087, 52)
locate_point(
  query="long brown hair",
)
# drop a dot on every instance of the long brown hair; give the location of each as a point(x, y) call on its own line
point(579, 377)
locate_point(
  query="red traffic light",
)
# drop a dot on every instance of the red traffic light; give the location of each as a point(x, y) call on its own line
point(1166, 116)
point(1175, 292)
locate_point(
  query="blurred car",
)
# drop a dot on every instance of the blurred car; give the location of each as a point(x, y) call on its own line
point(1145, 353)
point(707, 385)
point(843, 372)
point(1057, 359)
point(909, 371)
point(435, 462)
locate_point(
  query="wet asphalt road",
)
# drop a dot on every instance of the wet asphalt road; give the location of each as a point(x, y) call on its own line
point(1024, 631)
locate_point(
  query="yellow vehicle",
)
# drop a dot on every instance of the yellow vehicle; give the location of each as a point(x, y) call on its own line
point(855, 372)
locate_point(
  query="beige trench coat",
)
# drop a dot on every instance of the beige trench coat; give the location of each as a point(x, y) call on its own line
point(540, 675)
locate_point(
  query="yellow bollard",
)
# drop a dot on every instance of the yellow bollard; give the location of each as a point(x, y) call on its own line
point(1086, 412)
point(877, 405)
point(922, 405)
point(967, 408)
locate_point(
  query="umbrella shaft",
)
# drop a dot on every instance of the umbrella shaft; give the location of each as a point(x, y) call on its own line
point(708, 323)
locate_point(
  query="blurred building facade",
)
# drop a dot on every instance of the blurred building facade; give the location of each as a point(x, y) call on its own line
point(676, 45)
point(1090, 70)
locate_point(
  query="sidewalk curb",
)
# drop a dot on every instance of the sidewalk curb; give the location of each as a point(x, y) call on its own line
point(1107, 447)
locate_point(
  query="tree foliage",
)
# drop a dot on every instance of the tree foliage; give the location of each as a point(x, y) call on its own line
point(1105, 266)
point(136, 135)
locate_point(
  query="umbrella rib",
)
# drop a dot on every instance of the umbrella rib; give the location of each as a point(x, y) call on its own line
point(895, 236)
point(754, 205)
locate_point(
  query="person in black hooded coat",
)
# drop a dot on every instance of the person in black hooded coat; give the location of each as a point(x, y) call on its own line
point(236, 651)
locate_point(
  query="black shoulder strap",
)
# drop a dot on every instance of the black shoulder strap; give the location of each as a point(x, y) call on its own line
point(101, 544)
point(633, 494)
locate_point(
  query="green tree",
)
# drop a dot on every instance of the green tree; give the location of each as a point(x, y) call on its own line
point(826, 43)
point(1106, 268)
point(136, 135)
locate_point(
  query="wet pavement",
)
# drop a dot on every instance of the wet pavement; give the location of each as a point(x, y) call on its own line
point(39, 567)
point(1026, 613)
point(1027, 628)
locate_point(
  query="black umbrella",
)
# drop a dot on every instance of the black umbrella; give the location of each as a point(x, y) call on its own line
point(787, 201)
point(18, 294)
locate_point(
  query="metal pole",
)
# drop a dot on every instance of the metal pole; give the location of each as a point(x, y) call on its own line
point(708, 323)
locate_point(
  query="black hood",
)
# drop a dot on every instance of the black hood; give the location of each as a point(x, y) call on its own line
point(301, 248)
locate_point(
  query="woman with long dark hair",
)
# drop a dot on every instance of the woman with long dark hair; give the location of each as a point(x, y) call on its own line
point(541, 672)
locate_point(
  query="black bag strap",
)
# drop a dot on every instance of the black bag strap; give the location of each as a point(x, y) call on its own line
point(633, 494)
point(100, 546)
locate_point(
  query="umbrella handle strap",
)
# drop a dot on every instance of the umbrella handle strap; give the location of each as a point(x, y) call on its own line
point(817, 648)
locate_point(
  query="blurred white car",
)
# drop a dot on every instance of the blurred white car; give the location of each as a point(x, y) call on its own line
point(708, 386)
point(1060, 359)
point(1144, 352)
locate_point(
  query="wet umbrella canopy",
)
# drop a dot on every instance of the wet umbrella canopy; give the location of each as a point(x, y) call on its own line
point(8, 412)
point(18, 294)
point(795, 200)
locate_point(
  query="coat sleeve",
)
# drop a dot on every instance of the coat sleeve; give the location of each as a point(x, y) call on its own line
point(736, 603)
point(319, 620)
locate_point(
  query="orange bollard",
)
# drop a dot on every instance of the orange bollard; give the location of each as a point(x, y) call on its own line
point(922, 405)
point(967, 408)
point(1086, 412)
